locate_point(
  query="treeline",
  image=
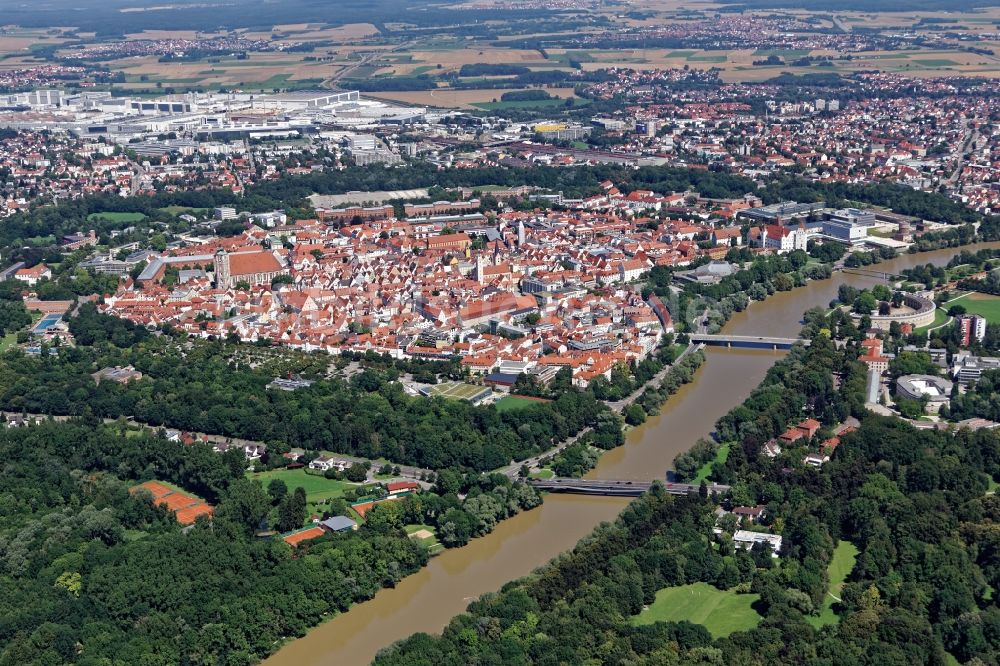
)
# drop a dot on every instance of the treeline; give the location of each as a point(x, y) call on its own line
point(201, 389)
point(912, 502)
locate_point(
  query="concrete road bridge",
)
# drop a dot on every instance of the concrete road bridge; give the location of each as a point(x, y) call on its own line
point(617, 488)
point(745, 340)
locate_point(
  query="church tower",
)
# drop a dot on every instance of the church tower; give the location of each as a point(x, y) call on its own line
point(221, 264)
point(520, 233)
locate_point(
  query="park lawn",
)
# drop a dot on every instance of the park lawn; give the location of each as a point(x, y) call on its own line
point(981, 304)
point(117, 217)
point(542, 474)
point(720, 457)
point(721, 611)
point(8, 341)
point(940, 317)
point(839, 569)
point(510, 403)
point(317, 486)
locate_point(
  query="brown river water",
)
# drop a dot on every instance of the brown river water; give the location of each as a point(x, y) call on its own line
point(426, 600)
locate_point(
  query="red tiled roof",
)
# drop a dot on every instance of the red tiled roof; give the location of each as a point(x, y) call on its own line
point(248, 263)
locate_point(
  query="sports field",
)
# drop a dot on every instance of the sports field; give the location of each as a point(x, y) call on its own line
point(458, 391)
point(981, 304)
point(840, 568)
point(721, 611)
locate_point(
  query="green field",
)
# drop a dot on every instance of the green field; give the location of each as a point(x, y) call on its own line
point(722, 612)
point(981, 304)
point(317, 487)
point(456, 390)
point(431, 543)
point(707, 58)
point(720, 457)
point(512, 402)
point(838, 571)
point(940, 317)
point(117, 217)
point(542, 474)
point(936, 62)
point(8, 341)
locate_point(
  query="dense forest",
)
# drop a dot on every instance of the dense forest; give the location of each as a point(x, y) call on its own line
point(90, 574)
point(913, 503)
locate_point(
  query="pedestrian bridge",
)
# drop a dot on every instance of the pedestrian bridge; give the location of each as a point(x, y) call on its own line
point(746, 340)
point(616, 488)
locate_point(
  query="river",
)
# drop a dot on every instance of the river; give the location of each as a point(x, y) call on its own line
point(426, 600)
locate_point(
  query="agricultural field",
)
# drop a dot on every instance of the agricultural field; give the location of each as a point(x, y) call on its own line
point(839, 569)
point(450, 98)
point(721, 611)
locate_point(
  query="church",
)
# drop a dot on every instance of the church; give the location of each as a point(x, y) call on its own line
point(253, 268)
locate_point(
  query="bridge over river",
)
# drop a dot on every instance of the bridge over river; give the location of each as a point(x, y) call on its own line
point(617, 488)
point(769, 342)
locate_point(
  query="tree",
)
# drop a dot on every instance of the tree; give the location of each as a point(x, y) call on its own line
point(245, 504)
point(356, 473)
point(277, 489)
point(292, 511)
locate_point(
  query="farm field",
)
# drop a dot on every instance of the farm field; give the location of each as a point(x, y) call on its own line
point(451, 98)
point(981, 304)
point(721, 611)
point(840, 568)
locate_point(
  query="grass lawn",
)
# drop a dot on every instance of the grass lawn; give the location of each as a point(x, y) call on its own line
point(430, 542)
point(981, 304)
point(8, 341)
point(720, 457)
point(542, 474)
point(316, 486)
point(722, 612)
point(840, 567)
point(940, 317)
point(117, 217)
point(510, 403)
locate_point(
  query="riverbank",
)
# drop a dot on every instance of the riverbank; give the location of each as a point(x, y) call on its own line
point(426, 600)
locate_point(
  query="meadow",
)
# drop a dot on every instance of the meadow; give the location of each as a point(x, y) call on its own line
point(721, 611)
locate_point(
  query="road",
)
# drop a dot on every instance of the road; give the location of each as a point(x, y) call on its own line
point(963, 154)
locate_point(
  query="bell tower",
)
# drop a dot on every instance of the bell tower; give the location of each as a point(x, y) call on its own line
point(221, 263)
